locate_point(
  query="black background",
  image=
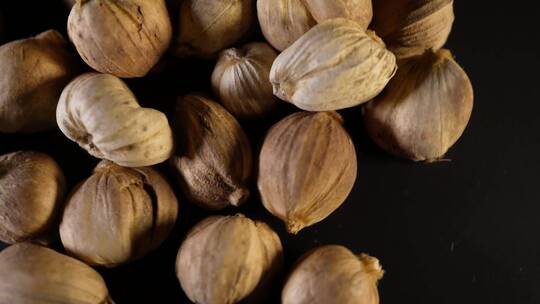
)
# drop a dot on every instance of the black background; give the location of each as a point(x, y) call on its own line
point(463, 231)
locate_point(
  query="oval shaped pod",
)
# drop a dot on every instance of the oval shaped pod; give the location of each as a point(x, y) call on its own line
point(409, 27)
point(35, 274)
point(224, 258)
point(333, 274)
point(209, 26)
point(424, 110)
point(360, 11)
point(240, 79)
point(307, 168)
point(101, 114)
point(32, 188)
point(122, 38)
point(335, 65)
point(118, 215)
point(34, 72)
point(214, 164)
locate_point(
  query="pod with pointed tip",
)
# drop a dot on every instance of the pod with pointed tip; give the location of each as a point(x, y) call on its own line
point(424, 110)
point(307, 168)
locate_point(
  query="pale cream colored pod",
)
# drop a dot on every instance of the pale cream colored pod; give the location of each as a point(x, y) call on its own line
point(34, 72)
point(118, 215)
point(307, 168)
point(32, 188)
point(209, 26)
point(32, 274)
point(335, 65)
point(409, 27)
point(101, 114)
point(333, 274)
point(224, 259)
point(283, 21)
point(360, 11)
point(123, 38)
point(214, 162)
point(424, 110)
point(241, 80)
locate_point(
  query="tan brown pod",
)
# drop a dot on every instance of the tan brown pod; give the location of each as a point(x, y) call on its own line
point(118, 215)
point(209, 26)
point(424, 110)
point(307, 168)
point(123, 38)
point(225, 258)
point(34, 72)
point(333, 274)
point(360, 11)
point(411, 26)
point(214, 161)
point(32, 190)
point(37, 275)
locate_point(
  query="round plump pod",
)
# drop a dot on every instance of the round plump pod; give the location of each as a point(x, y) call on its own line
point(424, 110)
point(118, 215)
point(34, 72)
point(32, 274)
point(32, 189)
point(123, 38)
point(307, 168)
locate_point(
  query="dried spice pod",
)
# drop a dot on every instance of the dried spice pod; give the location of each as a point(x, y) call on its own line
point(214, 162)
point(335, 65)
point(118, 215)
point(409, 27)
point(101, 114)
point(224, 258)
point(35, 274)
point(122, 38)
point(360, 11)
point(34, 72)
point(209, 26)
point(307, 168)
point(240, 79)
point(424, 110)
point(333, 274)
point(32, 189)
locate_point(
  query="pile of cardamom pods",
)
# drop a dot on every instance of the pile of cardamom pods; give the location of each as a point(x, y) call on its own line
point(319, 55)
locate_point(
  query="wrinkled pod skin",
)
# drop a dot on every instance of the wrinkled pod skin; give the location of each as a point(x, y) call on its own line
point(284, 21)
point(209, 26)
point(123, 38)
point(118, 215)
point(240, 79)
point(34, 72)
point(307, 168)
point(214, 160)
point(37, 275)
point(32, 188)
point(333, 274)
point(335, 65)
point(409, 27)
point(424, 110)
point(101, 114)
point(225, 259)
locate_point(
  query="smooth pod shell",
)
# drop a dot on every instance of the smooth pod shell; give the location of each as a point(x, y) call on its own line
point(101, 114)
point(209, 26)
point(424, 110)
point(32, 188)
point(118, 215)
point(214, 162)
point(37, 275)
point(360, 11)
point(225, 258)
point(335, 65)
point(124, 38)
point(307, 168)
point(241, 80)
point(409, 27)
point(34, 72)
point(333, 274)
